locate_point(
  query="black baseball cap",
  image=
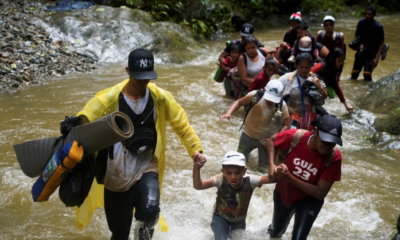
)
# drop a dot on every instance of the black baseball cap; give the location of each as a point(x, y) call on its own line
point(330, 128)
point(247, 30)
point(141, 64)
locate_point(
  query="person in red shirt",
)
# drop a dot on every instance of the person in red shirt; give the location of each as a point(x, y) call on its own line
point(307, 175)
point(265, 75)
point(227, 65)
point(329, 70)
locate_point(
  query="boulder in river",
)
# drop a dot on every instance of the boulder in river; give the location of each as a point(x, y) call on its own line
point(384, 100)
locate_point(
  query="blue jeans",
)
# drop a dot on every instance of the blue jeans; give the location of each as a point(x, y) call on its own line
point(222, 228)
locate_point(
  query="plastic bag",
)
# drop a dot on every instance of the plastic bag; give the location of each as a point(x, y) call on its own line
point(77, 182)
point(309, 89)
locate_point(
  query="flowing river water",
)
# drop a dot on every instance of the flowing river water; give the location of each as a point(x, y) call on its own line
point(363, 205)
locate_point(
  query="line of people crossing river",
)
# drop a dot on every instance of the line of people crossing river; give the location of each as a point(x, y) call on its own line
point(285, 120)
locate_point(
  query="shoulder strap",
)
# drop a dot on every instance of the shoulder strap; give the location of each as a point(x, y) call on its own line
point(279, 105)
point(320, 35)
point(254, 100)
point(282, 154)
point(262, 52)
point(337, 38)
point(245, 59)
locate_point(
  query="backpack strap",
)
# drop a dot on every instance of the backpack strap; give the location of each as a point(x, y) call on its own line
point(282, 154)
point(254, 100)
point(245, 59)
point(337, 38)
point(262, 52)
point(278, 106)
point(321, 35)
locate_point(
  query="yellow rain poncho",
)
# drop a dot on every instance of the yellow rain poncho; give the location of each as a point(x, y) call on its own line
point(168, 110)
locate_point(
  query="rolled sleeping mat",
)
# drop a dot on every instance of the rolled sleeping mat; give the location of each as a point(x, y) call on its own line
point(33, 155)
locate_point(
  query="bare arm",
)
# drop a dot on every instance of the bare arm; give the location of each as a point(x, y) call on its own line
point(321, 89)
point(282, 47)
point(269, 144)
point(235, 106)
point(318, 191)
point(243, 72)
point(285, 124)
point(198, 183)
point(266, 180)
point(376, 60)
point(222, 56)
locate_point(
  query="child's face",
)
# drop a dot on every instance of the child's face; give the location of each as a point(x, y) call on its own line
point(269, 70)
point(234, 55)
point(339, 62)
point(302, 33)
point(294, 24)
point(233, 174)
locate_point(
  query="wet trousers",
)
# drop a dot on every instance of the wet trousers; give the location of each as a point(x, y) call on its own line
point(248, 144)
point(306, 211)
point(363, 60)
point(222, 227)
point(144, 196)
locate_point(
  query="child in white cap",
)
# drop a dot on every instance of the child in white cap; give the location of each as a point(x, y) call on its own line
point(235, 189)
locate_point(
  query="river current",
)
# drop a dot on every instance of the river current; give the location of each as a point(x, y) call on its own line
point(365, 204)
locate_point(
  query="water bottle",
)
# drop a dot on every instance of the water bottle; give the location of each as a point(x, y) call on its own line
point(273, 126)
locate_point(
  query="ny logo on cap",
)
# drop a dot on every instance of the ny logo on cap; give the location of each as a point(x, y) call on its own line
point(143, 63)
point(333, 131)
point(247, 29)
point(274, 90)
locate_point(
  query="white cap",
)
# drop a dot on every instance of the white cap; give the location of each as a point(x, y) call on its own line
point(273, 91)
point(234, 158)
point(305, 44)
point(328, 18)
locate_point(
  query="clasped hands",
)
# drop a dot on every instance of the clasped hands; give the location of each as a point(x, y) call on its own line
point(281, 172)
point(199, 159)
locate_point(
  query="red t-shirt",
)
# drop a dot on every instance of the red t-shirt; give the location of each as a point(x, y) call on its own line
point(305, 165)
point(227, 63)
point(259, 82)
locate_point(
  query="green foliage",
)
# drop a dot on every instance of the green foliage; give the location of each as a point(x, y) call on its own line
point(324, 5)
point(212, 14)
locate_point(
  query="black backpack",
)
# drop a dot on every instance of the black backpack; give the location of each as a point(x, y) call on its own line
point(76, 182)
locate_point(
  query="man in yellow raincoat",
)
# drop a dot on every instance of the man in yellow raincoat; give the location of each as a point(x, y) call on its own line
point(135, 167)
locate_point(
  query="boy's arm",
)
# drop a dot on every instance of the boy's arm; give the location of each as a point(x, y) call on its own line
point(266, 180)
point(198, 183)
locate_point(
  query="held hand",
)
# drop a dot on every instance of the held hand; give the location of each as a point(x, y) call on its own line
point(374, 63)
point(283, 46)
point(317, 82)
point(199, 159)
point(282, 172)
point(361, 47)
point(227, 116)
point(349, 108)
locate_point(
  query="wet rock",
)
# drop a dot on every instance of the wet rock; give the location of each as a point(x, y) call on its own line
point(15, 84)
point(384, 100)
point(27, 78)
